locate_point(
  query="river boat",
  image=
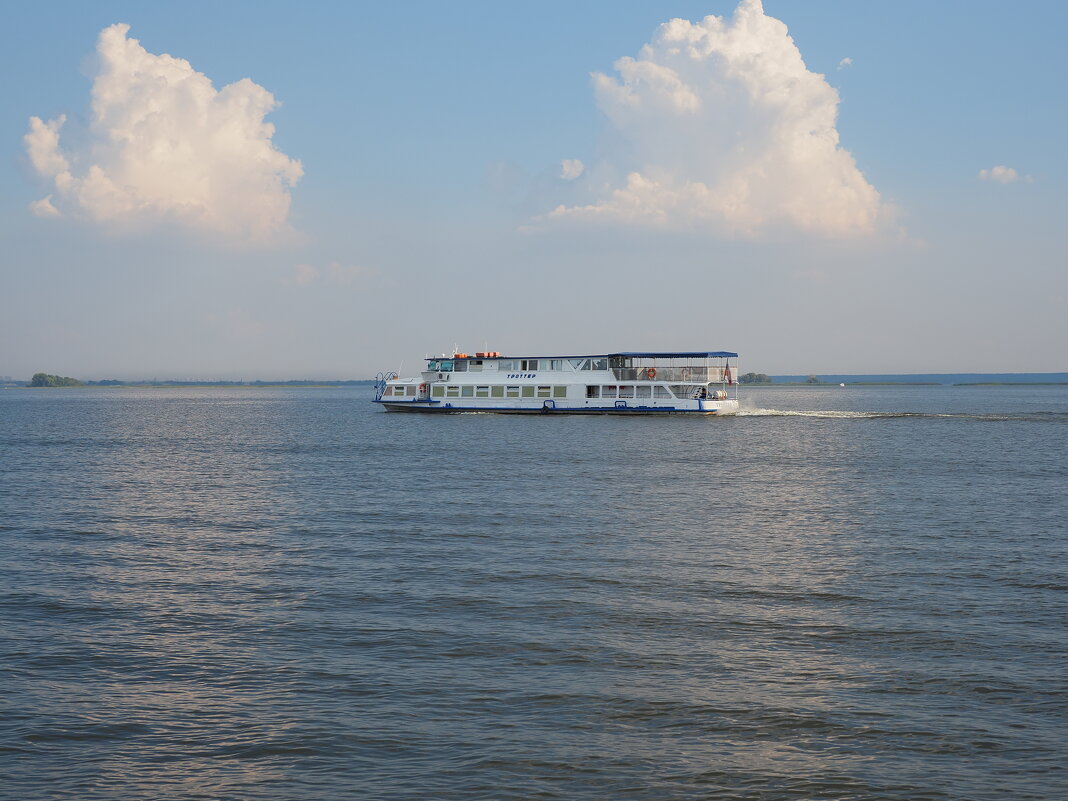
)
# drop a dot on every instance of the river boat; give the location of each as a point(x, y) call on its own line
point(672, 382)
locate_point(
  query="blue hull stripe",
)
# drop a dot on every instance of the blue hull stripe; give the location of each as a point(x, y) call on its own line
point(423, 406)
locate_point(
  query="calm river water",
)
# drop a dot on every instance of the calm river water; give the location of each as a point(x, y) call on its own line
point(854, 593)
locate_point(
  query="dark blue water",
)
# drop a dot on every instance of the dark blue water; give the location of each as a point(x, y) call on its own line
point(289, 594)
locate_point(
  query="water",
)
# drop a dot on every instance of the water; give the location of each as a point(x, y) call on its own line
point(853, 593)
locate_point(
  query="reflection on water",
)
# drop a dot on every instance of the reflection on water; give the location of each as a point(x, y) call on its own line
point(287, 595)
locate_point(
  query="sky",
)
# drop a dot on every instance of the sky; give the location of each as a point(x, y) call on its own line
point(273, 190)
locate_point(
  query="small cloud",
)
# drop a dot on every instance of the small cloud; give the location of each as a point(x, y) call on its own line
point(44, 208)
point(335, 274)
point(240, 325)
point(165, 146)
point(1001, 174)
point(845, 62)
point(42, 146)
point(570, 169)
point(304, 274)
point(813, 276)
point(344, 274)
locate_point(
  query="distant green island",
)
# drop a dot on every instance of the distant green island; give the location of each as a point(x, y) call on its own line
point(47, 380)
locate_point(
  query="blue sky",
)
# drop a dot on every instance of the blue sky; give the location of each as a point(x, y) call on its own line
point(446, 174)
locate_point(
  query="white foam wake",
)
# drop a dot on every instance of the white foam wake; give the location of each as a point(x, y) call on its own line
point(785, 413)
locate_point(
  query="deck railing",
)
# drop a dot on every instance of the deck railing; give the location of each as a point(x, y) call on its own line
point(695, 374)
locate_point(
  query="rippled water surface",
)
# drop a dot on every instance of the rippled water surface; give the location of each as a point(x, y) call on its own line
point(854, 593)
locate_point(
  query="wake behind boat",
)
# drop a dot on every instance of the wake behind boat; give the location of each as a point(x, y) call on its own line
point(671, 382)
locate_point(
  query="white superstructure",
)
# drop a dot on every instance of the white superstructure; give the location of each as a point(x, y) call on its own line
point(613, 383)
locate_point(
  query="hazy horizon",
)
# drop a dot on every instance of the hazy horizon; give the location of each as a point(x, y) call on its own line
point(832, 377)
point(870, 188)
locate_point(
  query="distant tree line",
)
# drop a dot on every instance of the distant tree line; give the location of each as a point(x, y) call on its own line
point(46, 380)
point(754, 378)
point(112, 382)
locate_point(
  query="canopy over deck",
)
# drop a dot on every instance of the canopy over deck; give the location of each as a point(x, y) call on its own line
point(680, 354)
point(672, 354)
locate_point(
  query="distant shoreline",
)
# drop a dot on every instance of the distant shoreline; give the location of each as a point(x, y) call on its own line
point(825, 380)
point(109, 384)
point(832, 385)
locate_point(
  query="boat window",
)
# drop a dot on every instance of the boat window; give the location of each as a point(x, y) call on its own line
point(643, 392)
point(438, 391)
point(432, 365)
point(530, 365)
point(626, 392)
point(598, 364)
point(528, 391)
point(446, 366)
point(475, 365)
point(660, 392)
point(593, 391)
point(512, 392)
point(461, 367)
point(578, 364)
point(452, 392)
point(389, 391)
point(559, 392)
point(467, 392)
point(556, 364)
point(497, 391)
point(481, 392)
point(608, 391)
point(506, 365)
point(545, 392)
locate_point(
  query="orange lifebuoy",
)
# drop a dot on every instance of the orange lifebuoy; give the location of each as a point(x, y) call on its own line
point(650, 372)
point(422, 387)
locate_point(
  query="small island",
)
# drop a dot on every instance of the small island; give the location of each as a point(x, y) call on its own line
point(754, 378)
point(46, 380)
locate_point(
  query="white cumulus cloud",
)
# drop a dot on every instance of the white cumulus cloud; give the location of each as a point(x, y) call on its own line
point(999, 174)
point(166, 146)
point(726, 129)
point(570, 169)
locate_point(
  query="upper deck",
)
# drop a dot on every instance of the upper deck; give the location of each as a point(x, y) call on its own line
point(691, 366)
point(607, 383)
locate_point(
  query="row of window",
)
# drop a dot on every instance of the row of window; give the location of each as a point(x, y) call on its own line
point(625, 391)
point(531, 391)
point(526, 391)
point(513, 365)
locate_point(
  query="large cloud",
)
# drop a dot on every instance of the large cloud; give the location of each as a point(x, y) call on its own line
point(166, 146)
point(726, 128)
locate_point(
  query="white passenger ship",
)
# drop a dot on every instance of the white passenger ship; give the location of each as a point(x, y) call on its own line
point(613, 383)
